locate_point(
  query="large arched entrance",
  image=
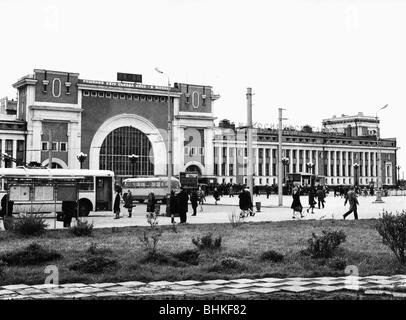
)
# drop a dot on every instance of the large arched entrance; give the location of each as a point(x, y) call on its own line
point(147, 129)
point(194, 168)
point(118, 145)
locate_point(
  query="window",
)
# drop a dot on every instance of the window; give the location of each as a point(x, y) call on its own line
point(129, 96)
point(44, 146)
point(108, 94)
point(201, 151)
point(86, 93)
point(186, 151)
point(142, 98)
point(54, 146)
point(122, 96)
point(101, 94)
point(136, 97)
point(86, 184)
point(63, 146)
point(149, 98)
point(93, 93)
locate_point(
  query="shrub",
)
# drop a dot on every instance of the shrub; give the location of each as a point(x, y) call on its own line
point(2, 266)
point(93, 264)
point(325, 245)
point(94, 249)
point(33, 254)
point(28, 225)
point(207, 242)
point(150, 242)
point(160, 258)
point(337, 263)
point(82, 228)
point(272, 255)
point(392, 228)
point(231, 263)
point(152, 219)
point(188, 256)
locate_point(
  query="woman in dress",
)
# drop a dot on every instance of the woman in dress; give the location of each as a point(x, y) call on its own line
point(296, 205)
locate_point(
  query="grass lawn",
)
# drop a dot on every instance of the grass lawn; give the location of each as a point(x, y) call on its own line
point(245, 243)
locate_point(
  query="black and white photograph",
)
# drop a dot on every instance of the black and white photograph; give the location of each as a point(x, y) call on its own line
point(191, 151)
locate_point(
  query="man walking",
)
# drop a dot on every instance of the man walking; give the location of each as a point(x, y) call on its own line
point(183, 199)
point(320, 196)
point(194, 200)
point(352, 199)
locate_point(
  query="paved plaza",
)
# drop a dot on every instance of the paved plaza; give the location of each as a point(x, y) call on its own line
point(334, 209)
point(392, 285)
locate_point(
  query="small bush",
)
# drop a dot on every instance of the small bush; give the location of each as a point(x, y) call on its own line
point(82, 229)
point(94, 249)
point(160, 258)
point(324, 246)
point(392, 228)
point(188, 256)
point(207, 242)
point(34, 254)
point(150, 242)
point(28, 225)
point(93, 264)
point(272, 255)
point(337, 263)
point(231, 263)
point(3, 265)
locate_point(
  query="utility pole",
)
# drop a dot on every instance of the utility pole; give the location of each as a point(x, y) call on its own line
point(249, 142)
point(280, 196)
point(50, 148)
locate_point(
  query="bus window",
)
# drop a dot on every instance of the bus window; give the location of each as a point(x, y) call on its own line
point(86, 184)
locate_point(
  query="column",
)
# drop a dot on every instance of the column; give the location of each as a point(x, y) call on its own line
point(235, 163)
point(290, 160)
point(374, 164)
point(316, 161)
point(304, 160)
point(263, 162)
point(256, 168)
point(220, 160)
point(346, 164)
point(297, 160)
point(227, 173)
point(329, 163)
point(14, 155)
point(335, 163)
point(3, 150)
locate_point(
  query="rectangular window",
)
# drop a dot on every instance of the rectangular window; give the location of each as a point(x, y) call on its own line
point(54, 146)
point(86, 93)
point(93, 93)
point(115, 95)
point(20, 150)
point(108, 94)
point(44, 146)
point(230, 169)
point(63, 146)
point(186, 151)
point(129, 96)
point(122, 96)
point(201, 151)
point(101, 94)
point(149, 98)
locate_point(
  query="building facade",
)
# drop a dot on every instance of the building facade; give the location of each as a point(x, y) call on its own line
point(111, 120)
point(340, 157)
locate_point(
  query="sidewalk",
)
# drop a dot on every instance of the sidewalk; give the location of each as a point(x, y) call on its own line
point(236, 287)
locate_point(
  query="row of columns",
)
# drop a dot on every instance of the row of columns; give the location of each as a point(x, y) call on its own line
point(334, 157)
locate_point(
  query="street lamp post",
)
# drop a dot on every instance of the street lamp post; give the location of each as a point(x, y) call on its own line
point(379, 180)
point(310, 165)
point(356, 166)
point(285, 163)
point(81, 157)
point(169, 171)
point(133, 158)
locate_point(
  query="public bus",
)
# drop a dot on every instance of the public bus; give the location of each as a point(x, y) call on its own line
point(305, 179)
point(35, 189)
point(141, 187)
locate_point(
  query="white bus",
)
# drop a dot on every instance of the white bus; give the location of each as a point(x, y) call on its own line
point(34, 188)
point(141, 187)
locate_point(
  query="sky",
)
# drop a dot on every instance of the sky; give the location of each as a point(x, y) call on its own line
point(314, 58)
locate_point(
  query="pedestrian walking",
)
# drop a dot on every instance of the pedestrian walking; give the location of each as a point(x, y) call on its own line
point(245, 201)
point(267, 190)
point(201, 197)
point(321, 195)
point(173, 205)
point(352, 199)
point(216, 196)
point(151, 202)
point(231, 191)
point(69, 211)
point(312, 202)
point(116, 206)
point(194, 198)
point(128, 202)
point(296, 204)
point(182, 202)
